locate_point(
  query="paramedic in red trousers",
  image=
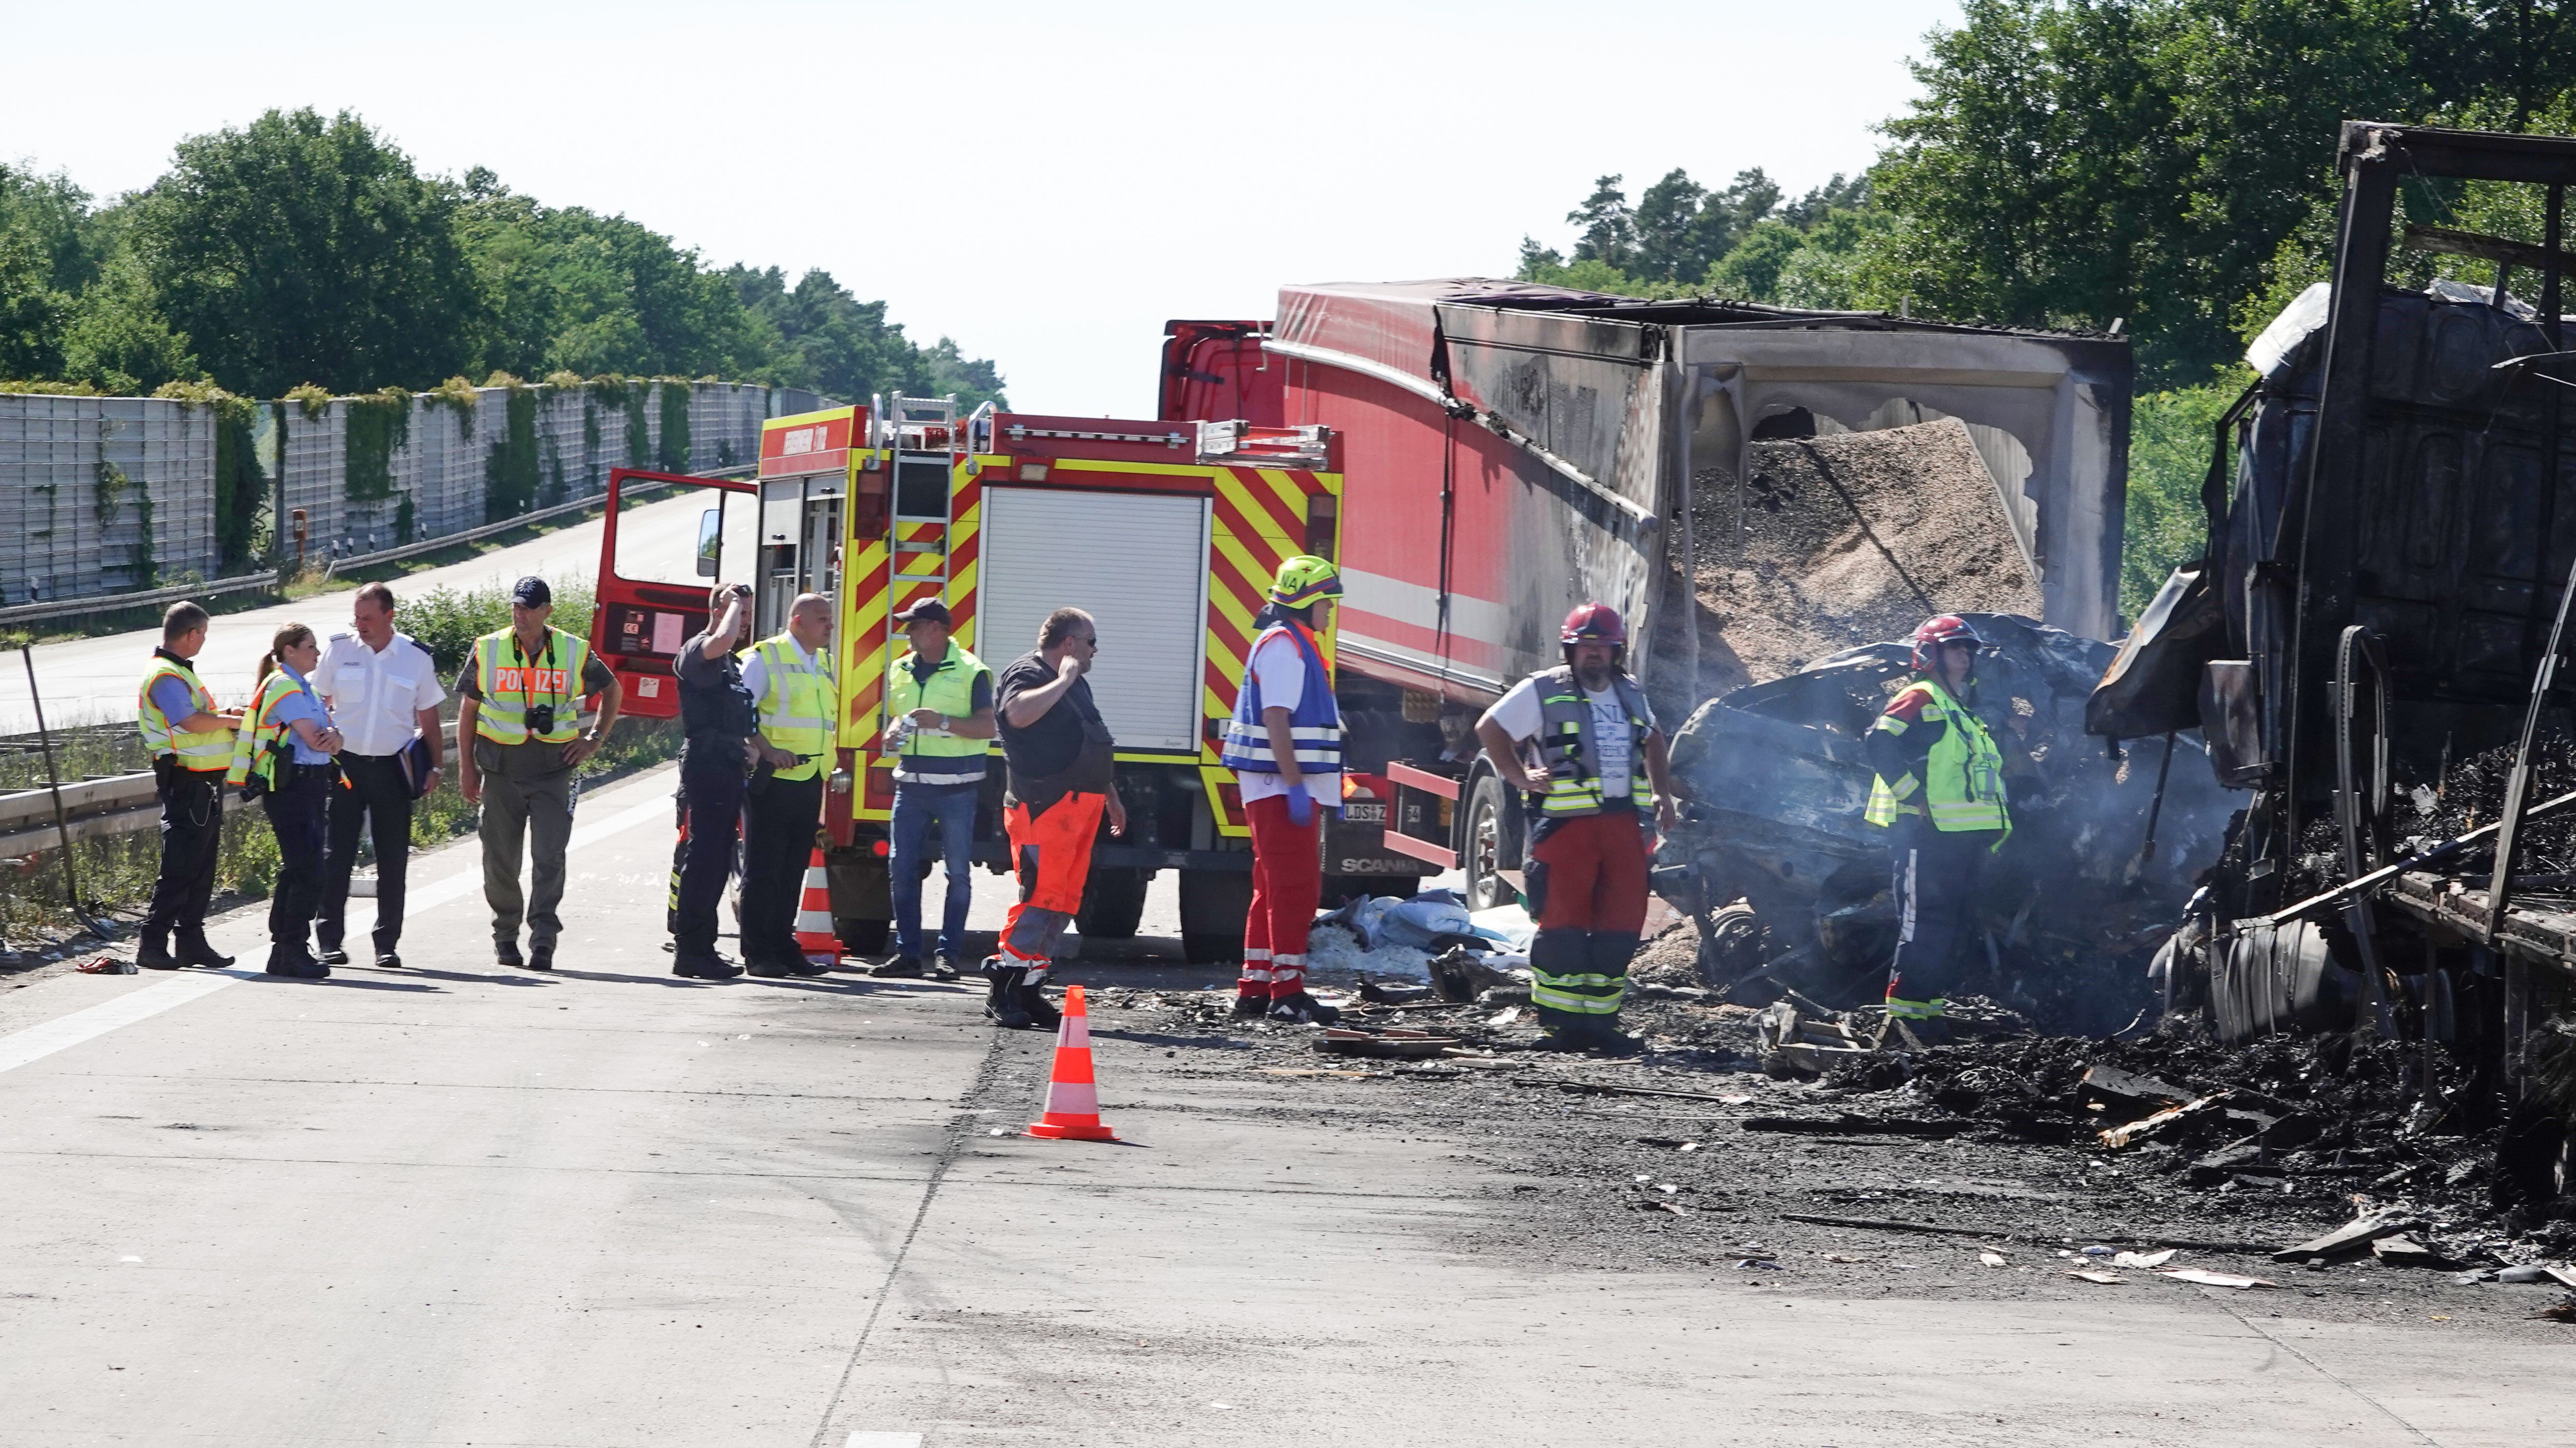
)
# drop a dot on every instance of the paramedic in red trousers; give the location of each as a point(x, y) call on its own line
point(1572, 738)
point(1285, 747)
point(1062, 781)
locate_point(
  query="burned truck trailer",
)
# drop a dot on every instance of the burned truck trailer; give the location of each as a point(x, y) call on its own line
point(2370, 643)
point(1510, 450)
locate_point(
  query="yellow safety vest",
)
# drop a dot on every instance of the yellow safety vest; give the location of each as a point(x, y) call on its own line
point(930, 758)
point(1964, 787)
point(263, 740)
point(511, 684)
point(798, 705)
point(1573, 757)
point(207, 751)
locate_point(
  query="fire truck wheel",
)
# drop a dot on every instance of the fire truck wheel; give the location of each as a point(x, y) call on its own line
point(1213, 903)
point(1490, 842)
point(1113, 900)
point(863, 937)
point(1204, 947)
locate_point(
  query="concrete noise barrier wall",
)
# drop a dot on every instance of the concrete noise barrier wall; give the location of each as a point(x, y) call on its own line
point(107, 495)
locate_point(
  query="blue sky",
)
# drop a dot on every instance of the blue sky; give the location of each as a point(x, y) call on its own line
point(1046, 183)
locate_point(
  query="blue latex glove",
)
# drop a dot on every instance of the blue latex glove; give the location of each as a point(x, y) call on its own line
point(1301, 805)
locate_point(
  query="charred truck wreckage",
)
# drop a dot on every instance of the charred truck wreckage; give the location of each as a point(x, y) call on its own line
point(2372, 647)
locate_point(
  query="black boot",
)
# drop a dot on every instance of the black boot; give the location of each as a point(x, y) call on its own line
point(195, 949)
point(1003, 1003)
point(1303, 1009)
point(1034, 1004)
point(152, 952)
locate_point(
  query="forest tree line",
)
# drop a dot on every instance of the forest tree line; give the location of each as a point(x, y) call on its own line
point(2168, 164)
point(304, 250)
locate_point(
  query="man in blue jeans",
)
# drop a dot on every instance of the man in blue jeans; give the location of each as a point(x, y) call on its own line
point(939, 712)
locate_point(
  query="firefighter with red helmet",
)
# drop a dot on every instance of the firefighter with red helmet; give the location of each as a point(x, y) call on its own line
point(1940, 795)
point(1581, 740)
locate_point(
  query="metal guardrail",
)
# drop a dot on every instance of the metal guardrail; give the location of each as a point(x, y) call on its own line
point(96, 808)
point(107, 602)
point(102, 603)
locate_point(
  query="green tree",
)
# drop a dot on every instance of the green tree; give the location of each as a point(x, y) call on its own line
point(829, 340)
point(118, 339)
point(298, 249)
point(45, 260)
point(1609, 227)
point(1828, 270)
point(1751, 270)
point(1666, 225)
point(2073, 161)
point(31, 310)
point(2171, 437)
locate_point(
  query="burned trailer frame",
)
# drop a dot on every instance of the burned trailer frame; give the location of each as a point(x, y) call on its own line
point(1515, 449)
point(2393, 570)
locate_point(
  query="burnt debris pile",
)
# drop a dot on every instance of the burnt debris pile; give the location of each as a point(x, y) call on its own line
point(2073, 906)
point(2456, 798)
point(2281, 1126)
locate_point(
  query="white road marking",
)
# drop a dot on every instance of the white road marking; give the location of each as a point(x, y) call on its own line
point(64, 1032)
point(883, 1440)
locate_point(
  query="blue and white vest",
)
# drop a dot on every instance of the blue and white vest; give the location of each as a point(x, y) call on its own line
point(1314, 726)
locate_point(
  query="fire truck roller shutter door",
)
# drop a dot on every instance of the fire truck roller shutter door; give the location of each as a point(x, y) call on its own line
point(1138, 564)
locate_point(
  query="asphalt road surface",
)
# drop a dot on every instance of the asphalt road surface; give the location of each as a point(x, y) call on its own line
point(457, 1205)
point(92, 680)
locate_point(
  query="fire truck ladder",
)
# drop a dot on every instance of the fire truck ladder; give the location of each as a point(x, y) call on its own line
point(922, 432)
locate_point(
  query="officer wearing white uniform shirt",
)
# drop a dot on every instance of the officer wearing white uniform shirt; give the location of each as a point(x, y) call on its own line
point(384, 694)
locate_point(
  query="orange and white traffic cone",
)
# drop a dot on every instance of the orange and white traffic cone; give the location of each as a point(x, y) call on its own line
point(1072, 1099)
point(814, 936)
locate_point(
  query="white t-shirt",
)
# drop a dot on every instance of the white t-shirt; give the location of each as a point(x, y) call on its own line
point(376, 695)
point(1519, 715)
point(1281, 667)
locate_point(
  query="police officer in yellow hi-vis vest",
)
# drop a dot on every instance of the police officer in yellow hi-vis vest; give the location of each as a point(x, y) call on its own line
point(939, 708)
point(798, 694)
point(520, 705)
point(283, 758)
point(191, 744)
point(1940, 794)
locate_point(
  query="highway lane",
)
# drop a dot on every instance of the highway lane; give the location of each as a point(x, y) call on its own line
point(456, 1205)
point(92, 680)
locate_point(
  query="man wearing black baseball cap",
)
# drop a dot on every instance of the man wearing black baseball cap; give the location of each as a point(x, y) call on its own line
point(519, 722)
point(939, 716)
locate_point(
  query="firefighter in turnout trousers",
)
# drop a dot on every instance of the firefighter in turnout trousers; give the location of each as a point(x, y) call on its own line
point(191, 744)
point(1285, 747)
point(799, 694)
point(1940, 795)
point(1572, 738)
point(520, 708)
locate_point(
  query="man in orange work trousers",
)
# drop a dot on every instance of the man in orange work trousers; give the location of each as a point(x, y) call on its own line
point(1062, 779)
point(1285, 747)
point(1572, 737)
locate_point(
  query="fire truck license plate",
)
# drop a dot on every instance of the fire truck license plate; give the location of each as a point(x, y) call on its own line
point(1364, 812)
